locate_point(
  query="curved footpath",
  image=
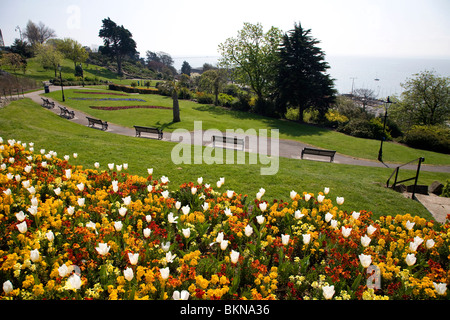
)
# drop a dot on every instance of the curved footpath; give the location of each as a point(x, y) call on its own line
point(439, 207)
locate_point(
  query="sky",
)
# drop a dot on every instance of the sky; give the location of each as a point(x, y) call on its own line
point(380, 28)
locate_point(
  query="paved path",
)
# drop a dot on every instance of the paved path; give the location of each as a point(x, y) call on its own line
point(287, 148)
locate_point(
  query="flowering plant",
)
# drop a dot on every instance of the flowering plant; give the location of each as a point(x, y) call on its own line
point(127, 107)
point(72, 233)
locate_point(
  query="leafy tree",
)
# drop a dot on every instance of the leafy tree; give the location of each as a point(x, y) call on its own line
point(186, 68)
point(72, 50)
point(118, 42)
point(301, 80)
point(22, 47)
point(425, 101)
point(48, 56)
point(212, 81)
point(38, 33)
point(252, 58)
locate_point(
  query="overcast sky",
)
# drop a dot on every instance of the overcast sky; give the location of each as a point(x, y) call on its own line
point(391, 28)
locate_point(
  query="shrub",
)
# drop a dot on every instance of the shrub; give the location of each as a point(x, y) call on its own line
point(128, 89)
point(362, 128)
point(226, 100)
point(446, 190)
point(433, 138)
point(205, 98)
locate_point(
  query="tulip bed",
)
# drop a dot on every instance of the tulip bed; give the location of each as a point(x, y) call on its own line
point(68, 232)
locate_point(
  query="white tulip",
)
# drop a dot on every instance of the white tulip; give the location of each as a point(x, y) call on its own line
point(184, 295)
point(127, 200)
point(200, 180)
point(133, 257)
point(293, 194)
point(430, 243)
point(7, 286)
point(260, 219)
point(326, 190)
point(74, 282)
point(224, 244)
point(328, 292)
point(328, 217)
point(103, 248)
point(298, 214)
point(178, 205)
point(20, 216)
point(248, 230)
point(228, 212)
point(118, 225)
point(355, 215)
point(22, 227)
point(365, 241)
point(50, 236)
point(80, 202)
point(410, 259)
point(285, 239)
point(230, 193)
point(123, 211)
point(307, 197)
point(371, 229)
point(339, 200)
point(306, 238)
point(165, 194)
point(365, 260)
point(346, 231)
point(186, 232)
point(185, 209)
point(147, 232)
point(193, 190)
point(263, 206)
point(409, 225)
point(165, 273)
point(128, 274)
point(63, 271)
point(440, 288)
point(234, 255)
point(34, 255)
point(320, 198)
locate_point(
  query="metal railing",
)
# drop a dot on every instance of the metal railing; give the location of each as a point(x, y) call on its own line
point(415, 178)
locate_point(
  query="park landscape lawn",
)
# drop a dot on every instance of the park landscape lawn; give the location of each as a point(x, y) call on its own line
point(222, 119)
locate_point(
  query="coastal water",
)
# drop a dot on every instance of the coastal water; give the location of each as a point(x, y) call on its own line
point(380, 74)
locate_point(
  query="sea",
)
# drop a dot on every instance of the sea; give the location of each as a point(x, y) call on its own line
point(382, 75)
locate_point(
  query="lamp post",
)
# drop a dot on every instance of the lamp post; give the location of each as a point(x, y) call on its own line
point(60, 80)
point(380, 152)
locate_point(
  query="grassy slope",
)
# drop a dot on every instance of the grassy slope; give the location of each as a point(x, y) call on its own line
point(223, 119)
point(27, 121)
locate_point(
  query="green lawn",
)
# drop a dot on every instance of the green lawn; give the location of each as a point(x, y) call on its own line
point(223, 119)
point(361, 186)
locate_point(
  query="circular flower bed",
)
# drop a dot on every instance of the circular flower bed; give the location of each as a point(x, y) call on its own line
point(73, 233)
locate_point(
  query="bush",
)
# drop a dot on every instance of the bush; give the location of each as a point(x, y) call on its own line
point(362, 128)
point(446, 190)
point(433, 138)
point(128, 89)
point(204, 98)
point(226, 100)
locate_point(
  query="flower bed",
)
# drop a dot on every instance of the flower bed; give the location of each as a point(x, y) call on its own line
point(110, 99)
point(95, 92)
point(73, 233)
point(127, 107)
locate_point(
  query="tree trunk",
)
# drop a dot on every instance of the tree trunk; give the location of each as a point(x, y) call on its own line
point(119, 65)
point(176, 107)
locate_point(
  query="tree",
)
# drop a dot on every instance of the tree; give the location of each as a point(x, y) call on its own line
point(425, 101)
point(48, 56)
point(118, 42)
point(38, 33)
point(252, 57)
point(186, 68)
point(213, 81)
point(72, 50)
point(301, 80)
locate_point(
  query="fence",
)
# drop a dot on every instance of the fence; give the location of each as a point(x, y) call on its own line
point(415, 178)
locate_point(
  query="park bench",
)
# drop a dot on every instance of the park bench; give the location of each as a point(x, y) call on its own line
point(66, 113)
point(47, 103)
point(93, 122)
point(319, 152)
point(140, 129)
point(230, 140)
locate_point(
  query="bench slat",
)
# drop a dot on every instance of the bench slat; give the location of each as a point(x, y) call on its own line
point(230, 140)
point(140, 129)
point(93, 121)
point(319, 152)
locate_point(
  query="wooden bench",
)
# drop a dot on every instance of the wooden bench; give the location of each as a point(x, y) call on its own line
point(47, 103)
point(93, 122)
point(66, 113)
point(231, 140)
point(319, 152)
point(140, 129)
